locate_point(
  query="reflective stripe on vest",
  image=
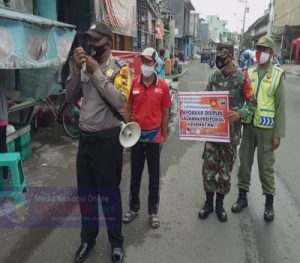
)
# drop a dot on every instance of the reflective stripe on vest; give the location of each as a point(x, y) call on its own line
point(264, 90)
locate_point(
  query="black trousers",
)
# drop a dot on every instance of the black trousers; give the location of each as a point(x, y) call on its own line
point(3, 147)
point(140, 152)
point(99, 169)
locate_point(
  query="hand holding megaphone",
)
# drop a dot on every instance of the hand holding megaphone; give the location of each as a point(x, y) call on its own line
point(130, 134)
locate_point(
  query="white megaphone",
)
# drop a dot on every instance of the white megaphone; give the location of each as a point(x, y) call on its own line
point(130, 134)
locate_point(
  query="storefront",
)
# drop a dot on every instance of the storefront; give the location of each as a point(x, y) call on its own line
point(32, 52)
point(121, 16)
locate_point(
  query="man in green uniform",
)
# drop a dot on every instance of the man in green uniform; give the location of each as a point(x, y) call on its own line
point(265, 129)
point(219, 157)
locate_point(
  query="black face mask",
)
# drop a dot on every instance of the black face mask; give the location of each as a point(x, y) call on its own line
point(94, 51)
point(220, 62)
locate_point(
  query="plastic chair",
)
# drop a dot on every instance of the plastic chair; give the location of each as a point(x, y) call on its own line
point(14, 162)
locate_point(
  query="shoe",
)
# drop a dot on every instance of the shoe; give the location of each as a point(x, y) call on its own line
point(117, 255)
point(221, 214)
point(269, 214)
point(208, 206)
point(154, 221)
point(129, 217)
point(269, 209)
point(83, 252)
point(241, 202)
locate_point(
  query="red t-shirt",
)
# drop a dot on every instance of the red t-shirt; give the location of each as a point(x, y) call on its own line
point(148, 103)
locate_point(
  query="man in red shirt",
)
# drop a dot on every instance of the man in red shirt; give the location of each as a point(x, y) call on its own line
point(148, 105)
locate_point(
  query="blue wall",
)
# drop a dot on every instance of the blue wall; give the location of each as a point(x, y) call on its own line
point(45, 8)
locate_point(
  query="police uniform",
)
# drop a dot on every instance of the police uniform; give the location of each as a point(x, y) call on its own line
point(99, 158)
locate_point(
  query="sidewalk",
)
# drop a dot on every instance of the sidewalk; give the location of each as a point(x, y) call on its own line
point(184, 71)
point(293, 69)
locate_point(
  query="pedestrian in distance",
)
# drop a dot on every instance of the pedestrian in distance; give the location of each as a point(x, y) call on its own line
point(264, 130)
point(104, 82)
point(161, 64)
point(148, 105)
point(219, 158)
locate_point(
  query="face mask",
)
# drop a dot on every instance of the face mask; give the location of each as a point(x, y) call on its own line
point(94, 51)
point(147, 71)
point(262, 57)
point(220, 62)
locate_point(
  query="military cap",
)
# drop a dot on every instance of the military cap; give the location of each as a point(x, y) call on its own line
point(266, 41)
point(98, 30)
point(224, 49)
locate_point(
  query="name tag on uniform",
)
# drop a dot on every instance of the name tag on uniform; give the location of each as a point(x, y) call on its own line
point(135, 91)
point(109, 72)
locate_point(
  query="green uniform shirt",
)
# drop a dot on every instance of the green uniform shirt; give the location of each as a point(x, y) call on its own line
point(241, 96)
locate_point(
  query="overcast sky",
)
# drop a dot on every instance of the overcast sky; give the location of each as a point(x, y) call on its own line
point(226, 9)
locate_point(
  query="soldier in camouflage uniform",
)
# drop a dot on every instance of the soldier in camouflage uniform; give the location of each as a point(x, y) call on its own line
point(220, 157)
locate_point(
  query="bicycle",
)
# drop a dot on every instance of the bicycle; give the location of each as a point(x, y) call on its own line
point(64, 113)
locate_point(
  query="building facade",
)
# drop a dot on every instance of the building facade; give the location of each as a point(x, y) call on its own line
point(285, 26)
point(183, 39)
point(217, 29)
point(286, 13)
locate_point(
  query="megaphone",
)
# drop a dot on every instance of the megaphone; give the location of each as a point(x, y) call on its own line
point(130, 134)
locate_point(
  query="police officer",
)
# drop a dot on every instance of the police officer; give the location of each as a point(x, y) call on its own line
point(265, 129)
point(220, 157)
point(101, 80)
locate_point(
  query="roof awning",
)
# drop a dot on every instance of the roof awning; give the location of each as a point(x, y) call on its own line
point(28, 41)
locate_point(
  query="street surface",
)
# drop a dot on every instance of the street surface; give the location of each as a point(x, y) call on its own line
point(182, 237)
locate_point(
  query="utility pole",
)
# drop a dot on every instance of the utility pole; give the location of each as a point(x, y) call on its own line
point(246, 10)
point(271, 18)
point(139, 25)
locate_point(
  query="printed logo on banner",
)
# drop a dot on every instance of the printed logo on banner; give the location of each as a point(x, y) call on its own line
point(223, 102)
point(213, 103)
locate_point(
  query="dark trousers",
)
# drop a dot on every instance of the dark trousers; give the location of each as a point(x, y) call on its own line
point(99, 169)
point(3, 147)
point(140, 152)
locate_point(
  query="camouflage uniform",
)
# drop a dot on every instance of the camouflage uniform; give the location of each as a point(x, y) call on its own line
point(220, 157)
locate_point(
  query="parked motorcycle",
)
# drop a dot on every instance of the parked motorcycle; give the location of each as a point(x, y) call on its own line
point(172, 91)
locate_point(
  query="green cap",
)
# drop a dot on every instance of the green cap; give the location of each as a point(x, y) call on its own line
point(266, 41)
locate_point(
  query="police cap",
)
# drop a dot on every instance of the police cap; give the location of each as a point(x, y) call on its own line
point(98, 30)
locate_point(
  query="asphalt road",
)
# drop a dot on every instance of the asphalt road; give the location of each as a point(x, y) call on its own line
point(182, 237)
